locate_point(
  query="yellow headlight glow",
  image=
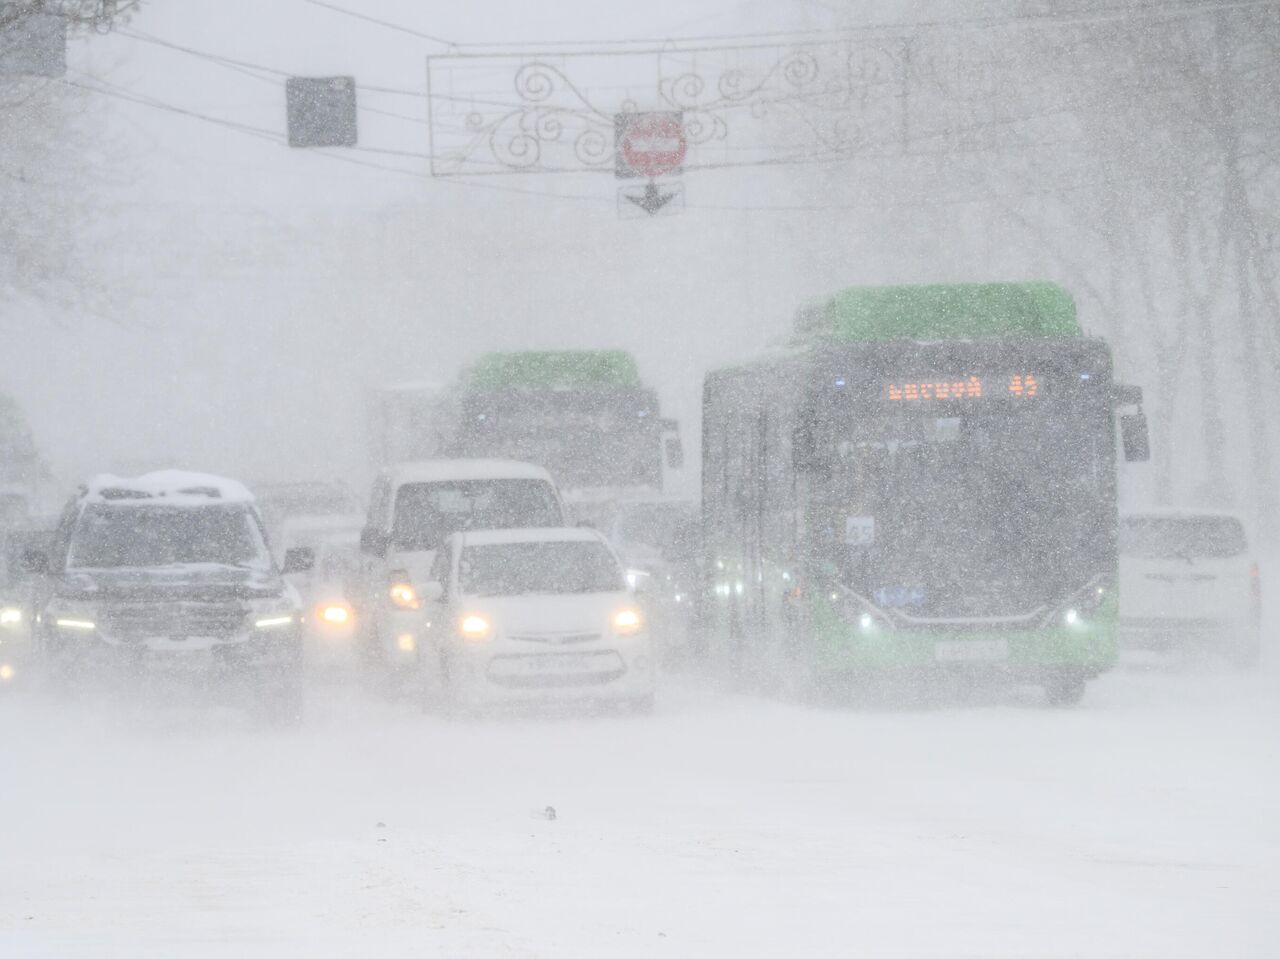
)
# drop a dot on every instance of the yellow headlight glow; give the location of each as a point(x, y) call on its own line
point(403, 595)
point(6, 672)
point(473, 626)
point(335, 614)
point(627, 622)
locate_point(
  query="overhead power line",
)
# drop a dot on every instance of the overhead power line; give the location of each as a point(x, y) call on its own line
point(382, 23)
point(1160, 9)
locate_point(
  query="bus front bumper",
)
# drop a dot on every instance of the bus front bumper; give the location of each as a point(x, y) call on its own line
point(1087, 649)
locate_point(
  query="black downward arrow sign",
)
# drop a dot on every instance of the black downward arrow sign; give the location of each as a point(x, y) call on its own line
point(652, 201)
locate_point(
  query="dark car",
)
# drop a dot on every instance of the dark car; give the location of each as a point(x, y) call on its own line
point(169, 575)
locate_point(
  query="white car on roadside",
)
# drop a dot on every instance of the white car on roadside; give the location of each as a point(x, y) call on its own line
point(1189, 578)
point(534, 614)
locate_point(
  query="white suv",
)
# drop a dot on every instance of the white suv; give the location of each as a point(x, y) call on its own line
point(1189, 577)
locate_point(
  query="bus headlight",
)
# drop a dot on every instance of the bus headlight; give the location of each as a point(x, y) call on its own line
point(1078, 609)
point(858, 612)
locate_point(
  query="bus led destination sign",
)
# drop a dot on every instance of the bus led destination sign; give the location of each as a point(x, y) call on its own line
point(1013, 386)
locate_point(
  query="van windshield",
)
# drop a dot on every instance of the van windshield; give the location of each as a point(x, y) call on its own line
point(1182, 537)
point(427, 513)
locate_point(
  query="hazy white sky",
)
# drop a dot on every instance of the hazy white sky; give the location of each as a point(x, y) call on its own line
point(262, 291)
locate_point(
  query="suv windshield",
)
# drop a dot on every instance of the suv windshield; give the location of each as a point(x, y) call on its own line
point(426, 513)
point(508, 569)
point(150, 536)
point(1181, 537)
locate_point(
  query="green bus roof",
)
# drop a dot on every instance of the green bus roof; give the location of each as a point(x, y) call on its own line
point(942, 311)
point(552, 368)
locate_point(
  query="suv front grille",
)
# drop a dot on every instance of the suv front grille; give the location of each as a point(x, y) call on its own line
point(173, 620)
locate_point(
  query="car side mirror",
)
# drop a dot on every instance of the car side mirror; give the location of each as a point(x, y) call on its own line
point(1135, 438)
point(35, 561)
point(374, 541)
point(300, 559)
point(432, 592)
point(673, 450)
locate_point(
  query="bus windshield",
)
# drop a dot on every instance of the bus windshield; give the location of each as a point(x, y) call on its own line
point(585, 437)
point(991, 512)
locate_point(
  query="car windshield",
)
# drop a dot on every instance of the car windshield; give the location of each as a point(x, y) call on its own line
point(149, 536)
point(1182, 537)
point(509, 569)
point(426, 513)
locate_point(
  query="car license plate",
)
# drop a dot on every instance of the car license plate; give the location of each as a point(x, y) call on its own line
point(971, 650)
point(549, 664)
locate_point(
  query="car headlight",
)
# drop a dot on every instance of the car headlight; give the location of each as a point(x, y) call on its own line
point(275, 621)
point(627, 621)
point(403, 595)
point(10, 616)
point(474, 627)
point(335, 614)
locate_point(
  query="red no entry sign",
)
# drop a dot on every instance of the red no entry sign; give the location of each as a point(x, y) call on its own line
point(649, 144)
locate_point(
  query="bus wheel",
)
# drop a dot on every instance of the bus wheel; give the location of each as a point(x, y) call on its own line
point(1064, 689)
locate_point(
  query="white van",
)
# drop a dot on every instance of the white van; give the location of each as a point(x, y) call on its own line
point(413, 509)
point(1189, 577)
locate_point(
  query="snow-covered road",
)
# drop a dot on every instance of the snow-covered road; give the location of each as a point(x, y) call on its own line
point(1143, 823)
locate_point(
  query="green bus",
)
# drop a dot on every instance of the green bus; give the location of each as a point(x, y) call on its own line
point(923, 480)
point(584, 415)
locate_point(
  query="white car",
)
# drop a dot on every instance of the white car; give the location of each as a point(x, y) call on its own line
point(1189, 577)
point(534, 614)
point(413, 508)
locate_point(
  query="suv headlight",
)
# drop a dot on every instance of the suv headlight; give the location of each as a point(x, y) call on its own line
point(75, 623)
point(71, 619)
